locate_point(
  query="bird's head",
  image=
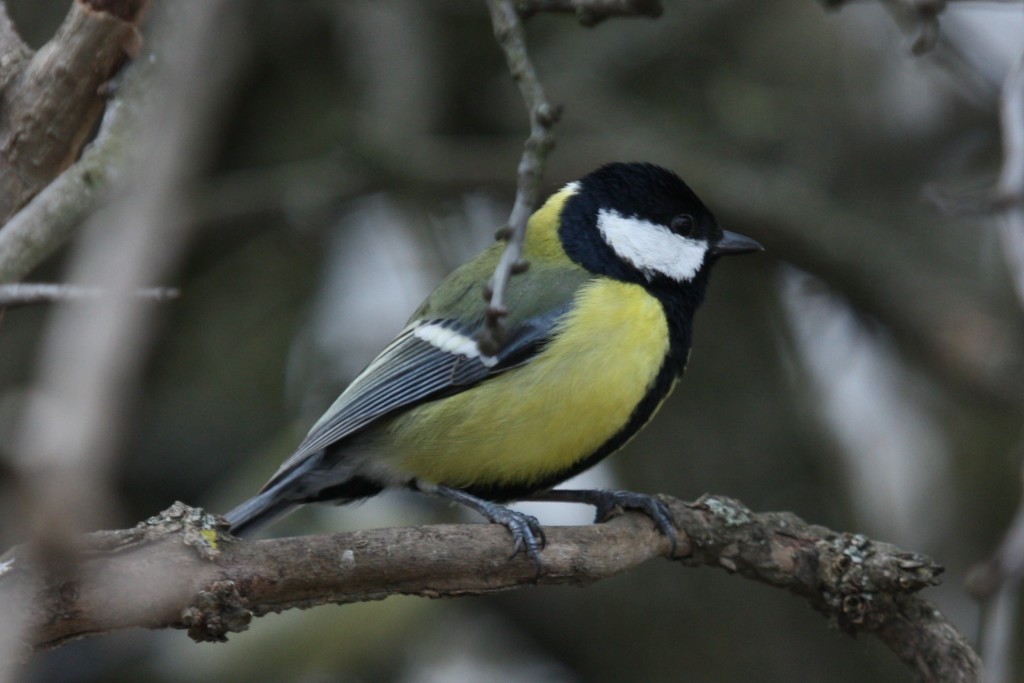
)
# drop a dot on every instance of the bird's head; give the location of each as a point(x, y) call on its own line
point(640, 223)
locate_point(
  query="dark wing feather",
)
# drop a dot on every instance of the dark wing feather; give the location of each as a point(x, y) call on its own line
point(411, 370)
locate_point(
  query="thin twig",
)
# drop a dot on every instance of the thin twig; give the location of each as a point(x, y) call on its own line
point(179, 571)
point(591, 12)
point(508, 30)
point(28, 294)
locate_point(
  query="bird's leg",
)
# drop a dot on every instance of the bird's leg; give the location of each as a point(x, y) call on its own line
point(525, 529)
point(609, 503)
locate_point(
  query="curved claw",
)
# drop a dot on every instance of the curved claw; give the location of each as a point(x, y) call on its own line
point(608, 504)
point(526, 531)
point(650, 506)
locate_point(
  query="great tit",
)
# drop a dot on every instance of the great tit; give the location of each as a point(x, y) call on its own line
point(598, 332)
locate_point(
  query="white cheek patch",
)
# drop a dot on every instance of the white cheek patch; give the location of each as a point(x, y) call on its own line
point(651, 248)
point(451, 341)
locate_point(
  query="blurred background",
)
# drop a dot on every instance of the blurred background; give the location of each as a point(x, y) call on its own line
point(865, 372)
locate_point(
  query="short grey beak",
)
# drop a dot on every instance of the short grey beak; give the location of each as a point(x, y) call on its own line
point(734, 243)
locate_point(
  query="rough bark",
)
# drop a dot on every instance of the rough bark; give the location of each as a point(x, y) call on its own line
point(51, 101)
point(180, 570)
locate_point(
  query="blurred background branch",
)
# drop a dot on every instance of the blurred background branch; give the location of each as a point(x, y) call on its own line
point(53, 98)
point(49, 219)
point(36, 293)
point(1011, 179)
point(12, 48)
point(1000, 585)
point(66, 445)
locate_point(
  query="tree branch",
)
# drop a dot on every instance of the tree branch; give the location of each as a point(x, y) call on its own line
point(508, 30)
point(49, 219)
point(179, 570)
point(13, 50)
point(54, 100)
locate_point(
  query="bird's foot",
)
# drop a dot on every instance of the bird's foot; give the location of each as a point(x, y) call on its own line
point(609, 504)
point(526, 531)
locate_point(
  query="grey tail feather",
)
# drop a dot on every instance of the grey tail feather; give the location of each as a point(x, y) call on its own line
point(275, 500)
point(258, 511)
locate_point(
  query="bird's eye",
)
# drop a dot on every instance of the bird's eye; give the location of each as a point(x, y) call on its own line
point(683, 225)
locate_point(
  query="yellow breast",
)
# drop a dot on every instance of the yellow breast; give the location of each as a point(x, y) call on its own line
point(540, 419)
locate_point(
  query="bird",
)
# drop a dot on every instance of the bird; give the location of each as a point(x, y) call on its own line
point(597, 333)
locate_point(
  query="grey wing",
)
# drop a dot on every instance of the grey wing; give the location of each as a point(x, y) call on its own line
point(428, 359)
